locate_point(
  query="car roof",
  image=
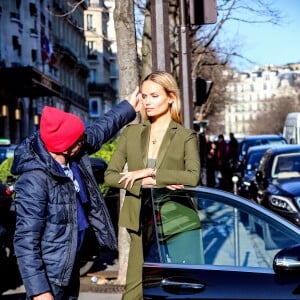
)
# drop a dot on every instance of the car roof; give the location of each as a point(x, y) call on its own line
point(263, 137)
point(259, 148)
point(288, 148)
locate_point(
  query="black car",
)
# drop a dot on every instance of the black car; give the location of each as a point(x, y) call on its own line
point(202, 243)
point(7, 225)
point(278, 181)
point(246, 186)
point(256, 140)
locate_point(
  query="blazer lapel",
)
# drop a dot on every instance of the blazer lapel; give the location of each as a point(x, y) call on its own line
point(170, 133)
point(144, 142)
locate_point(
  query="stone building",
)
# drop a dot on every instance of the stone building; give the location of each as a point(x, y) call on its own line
point(102, 56)
point(42, 62)
point(257, 91)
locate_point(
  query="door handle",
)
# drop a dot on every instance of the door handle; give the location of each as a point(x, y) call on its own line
point(182, 284)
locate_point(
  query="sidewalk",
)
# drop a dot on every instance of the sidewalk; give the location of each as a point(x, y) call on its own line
point(94, 286)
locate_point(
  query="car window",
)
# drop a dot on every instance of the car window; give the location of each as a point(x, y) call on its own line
point(2, 154)
point(286, 165)
point(204, 228)
point(253, 161)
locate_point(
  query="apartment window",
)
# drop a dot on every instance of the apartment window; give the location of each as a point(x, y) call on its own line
point(89, 19)
point(18, 4)
point(32, 10)
point(15, 43)
point(92, 75)
point(33, 55)
point(90, 47)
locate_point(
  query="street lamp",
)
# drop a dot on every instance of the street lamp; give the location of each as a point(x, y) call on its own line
point(36, 120)
point(17, 114)
point(4, 111)
point(18, 120)
point(4, 115)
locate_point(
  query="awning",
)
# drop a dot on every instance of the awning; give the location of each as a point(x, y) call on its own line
point(27, 82)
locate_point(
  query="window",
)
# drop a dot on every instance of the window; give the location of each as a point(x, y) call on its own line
point(32, 10)
point(33, 55)
point(215, 230)
point(92, 75)
point(89, 19)
point(90, 47)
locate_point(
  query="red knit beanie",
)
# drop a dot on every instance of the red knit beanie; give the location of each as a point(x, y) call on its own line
point(59, 130)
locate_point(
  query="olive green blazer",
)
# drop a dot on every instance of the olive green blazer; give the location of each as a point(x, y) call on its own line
point(177, 162)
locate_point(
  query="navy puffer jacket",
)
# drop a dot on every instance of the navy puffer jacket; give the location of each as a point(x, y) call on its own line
point(46, 230)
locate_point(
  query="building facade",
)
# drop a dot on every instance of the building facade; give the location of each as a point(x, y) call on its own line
point(257, 91)
point(42, 62)
point(102, 56)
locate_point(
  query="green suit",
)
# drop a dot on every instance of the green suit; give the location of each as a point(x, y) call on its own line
point(177, 162)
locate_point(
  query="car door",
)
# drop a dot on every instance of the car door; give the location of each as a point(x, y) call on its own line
point(207, 244)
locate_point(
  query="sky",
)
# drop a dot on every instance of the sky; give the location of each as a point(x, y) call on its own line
point(267, 43)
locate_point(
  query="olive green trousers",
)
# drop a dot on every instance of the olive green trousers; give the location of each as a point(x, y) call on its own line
point(133, 287)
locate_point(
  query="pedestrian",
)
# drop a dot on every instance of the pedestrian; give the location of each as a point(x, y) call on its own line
point(211, 162)
point(202, 152)
point(222, 153)
point(233, 149)
point(233, 157)
point(58, 200)
point(158, 152)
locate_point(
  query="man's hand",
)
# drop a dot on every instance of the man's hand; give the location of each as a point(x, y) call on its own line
point(135, 99)
point(44, 296)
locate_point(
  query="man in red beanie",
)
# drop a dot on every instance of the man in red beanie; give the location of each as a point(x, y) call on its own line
point(58, 200)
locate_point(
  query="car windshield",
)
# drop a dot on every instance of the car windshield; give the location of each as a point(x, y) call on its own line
point(286, 166)
point(247, 144)
point(205, 228)
point(253, 161)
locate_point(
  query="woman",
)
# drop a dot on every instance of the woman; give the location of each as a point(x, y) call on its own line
point(159, 151)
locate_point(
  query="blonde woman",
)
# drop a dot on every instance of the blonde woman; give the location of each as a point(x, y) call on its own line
point(159, 152)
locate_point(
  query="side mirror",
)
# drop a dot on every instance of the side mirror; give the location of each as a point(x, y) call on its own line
point(287, 260)
point(259, 177)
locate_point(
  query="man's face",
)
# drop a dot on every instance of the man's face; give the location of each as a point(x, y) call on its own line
point(76, 147)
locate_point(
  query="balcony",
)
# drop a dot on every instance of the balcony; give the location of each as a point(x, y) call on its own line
point(92, 29)
point(15, 17)
point(33, 32)
point(92, 56)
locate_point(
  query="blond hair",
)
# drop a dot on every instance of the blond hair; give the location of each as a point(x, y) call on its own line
point(169, 84)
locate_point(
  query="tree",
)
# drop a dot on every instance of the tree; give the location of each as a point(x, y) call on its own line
point(267, 123)
point(124, 21)
point(210, 57)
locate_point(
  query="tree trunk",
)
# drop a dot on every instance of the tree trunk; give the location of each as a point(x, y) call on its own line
point(128, 79)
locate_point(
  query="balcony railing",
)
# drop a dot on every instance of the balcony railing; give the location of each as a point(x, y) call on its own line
point(14, 16)
point(33, 32)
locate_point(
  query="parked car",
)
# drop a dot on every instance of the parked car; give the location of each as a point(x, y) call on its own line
point(246, 186)
point(256, 140)
point(6, 152)
point(202, 243)
point(278, 181)
point(291, 128)
point(7, 226)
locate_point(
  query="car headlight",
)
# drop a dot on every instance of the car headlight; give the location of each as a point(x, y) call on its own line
point(283, 203)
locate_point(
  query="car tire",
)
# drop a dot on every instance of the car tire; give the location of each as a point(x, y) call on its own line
point(85, 266)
